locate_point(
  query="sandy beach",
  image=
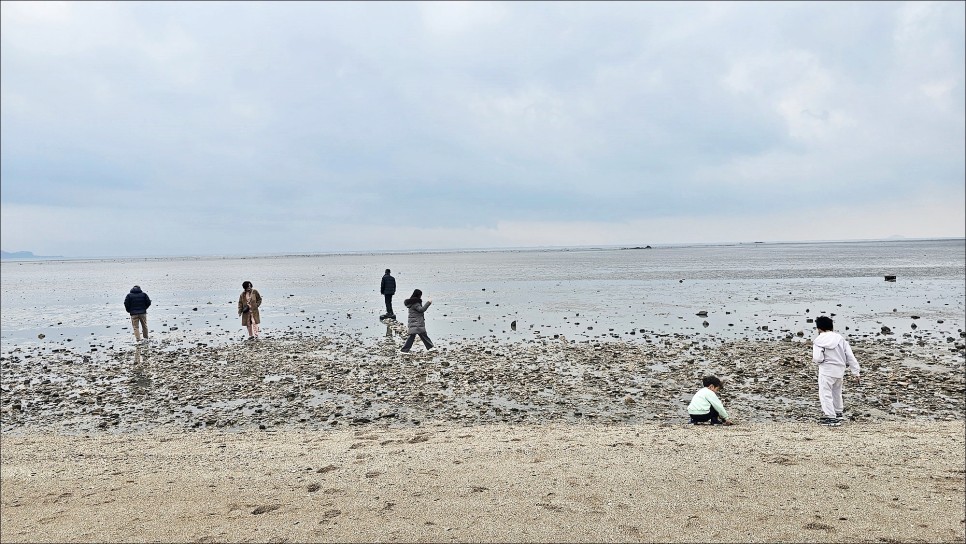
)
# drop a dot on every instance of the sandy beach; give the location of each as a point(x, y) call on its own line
point(781, 482)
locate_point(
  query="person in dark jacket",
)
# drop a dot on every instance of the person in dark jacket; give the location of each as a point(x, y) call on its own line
point(417, 322)
point(388, 289)
point(136, 303)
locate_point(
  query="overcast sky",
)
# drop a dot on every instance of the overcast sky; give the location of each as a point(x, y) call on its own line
point(230, 128)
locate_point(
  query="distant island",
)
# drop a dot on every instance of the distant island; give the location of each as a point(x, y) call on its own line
point(24, 255)
point(638, 247)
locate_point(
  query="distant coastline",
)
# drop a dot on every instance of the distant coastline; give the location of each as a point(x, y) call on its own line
point(24, 256)
point(27, 255)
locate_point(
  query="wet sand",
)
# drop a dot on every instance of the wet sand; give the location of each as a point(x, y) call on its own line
point(775, 482)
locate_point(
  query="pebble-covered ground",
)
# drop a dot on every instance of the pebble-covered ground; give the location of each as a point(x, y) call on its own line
point(312, 382)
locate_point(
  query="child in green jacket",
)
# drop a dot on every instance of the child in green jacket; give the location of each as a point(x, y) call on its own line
point(706, 406)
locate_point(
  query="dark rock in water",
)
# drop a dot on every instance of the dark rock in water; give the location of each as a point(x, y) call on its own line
point(890, 278)
point(914, 325)
point(764, 327)
point(42, 335)
point(705, 323)
point(173, 329)
point(513, 325)
point(915, 317)
point(680, 281)
point(702, 313)
point(810, 320)
point(886, 330)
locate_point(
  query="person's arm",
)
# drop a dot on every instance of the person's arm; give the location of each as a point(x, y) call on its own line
point(851, 362)
point(257, 299)
point(382, 286)
point(127, 303)
point(147, 298)
point(241, 303)
point(425, 306)
point(818, 354)
point(716, 404)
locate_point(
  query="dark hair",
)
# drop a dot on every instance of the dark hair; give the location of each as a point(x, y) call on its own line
point(387, 271)
point(711, 380)
point(246, 284)
point(417, 296)
point(823, 322)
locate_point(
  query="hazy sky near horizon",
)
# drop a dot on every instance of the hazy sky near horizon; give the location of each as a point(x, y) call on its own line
point(170, 128)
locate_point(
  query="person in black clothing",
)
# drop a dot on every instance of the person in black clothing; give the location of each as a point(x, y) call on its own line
point(136, 303)
point(388, 289)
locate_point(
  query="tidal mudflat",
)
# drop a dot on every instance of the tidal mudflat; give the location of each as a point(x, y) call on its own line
point(309, 382)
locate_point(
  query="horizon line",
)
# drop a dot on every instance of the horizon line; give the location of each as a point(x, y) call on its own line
point(643, 245)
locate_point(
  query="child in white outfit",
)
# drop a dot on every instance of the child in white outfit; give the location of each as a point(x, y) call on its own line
point(833, 355)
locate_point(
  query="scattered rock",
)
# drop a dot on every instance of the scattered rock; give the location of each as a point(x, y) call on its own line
point(266, 508)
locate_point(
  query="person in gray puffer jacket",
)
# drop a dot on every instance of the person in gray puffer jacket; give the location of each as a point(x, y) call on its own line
point(417, 321)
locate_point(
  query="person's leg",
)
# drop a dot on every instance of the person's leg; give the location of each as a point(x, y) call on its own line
point(825, 395)
point(837, 403)
point(389, 311)
point(134, 325)
point(700, 418)
point(409, 343)
point(143, 318)
point(255, 327)
point(426, 341)
point(714, 416)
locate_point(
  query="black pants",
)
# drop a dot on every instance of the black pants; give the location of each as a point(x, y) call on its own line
point(389, 305)
point(711, 416)
point(412, 338)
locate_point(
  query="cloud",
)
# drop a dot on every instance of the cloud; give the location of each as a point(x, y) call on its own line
point(328, 124)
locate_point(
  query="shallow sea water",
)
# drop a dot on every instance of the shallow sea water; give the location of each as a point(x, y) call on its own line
point(581, 294)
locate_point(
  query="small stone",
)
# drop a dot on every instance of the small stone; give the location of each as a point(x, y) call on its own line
point(265, 508)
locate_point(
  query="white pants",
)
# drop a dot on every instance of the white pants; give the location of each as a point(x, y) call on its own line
point(830, 394)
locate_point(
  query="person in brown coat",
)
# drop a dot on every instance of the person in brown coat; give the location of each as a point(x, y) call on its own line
point(248, 303)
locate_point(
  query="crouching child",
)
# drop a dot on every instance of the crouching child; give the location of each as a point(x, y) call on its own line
point(706, 407)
